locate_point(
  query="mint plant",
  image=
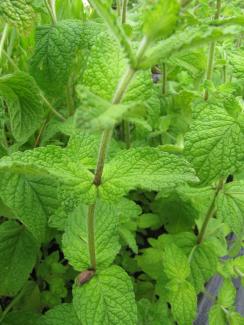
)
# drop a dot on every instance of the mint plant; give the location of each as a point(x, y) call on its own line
point(121, 135)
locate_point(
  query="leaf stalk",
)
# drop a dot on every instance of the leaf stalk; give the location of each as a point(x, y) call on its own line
point(104, 144)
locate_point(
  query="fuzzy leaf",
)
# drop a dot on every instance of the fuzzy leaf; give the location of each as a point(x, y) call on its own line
point(217, 316)
point(62, 314)
point(18, 253)
point(75, 239)
point(107, 299)
point(160, 17)
point(203, 262)
point(31, 196)
point(230, 206)
point(214, 142)
point(183, 300)
point(176, 265)
point(56, 48)
point(187, 39)
point(105, 11)
point(21, 94)
point(17, 12)
point(145, 168)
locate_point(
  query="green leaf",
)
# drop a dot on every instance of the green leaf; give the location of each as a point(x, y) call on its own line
point(203, 262)
point(183, 300)
point(187, 39)
point(62, 314)
point(216, 316)
point(83, 147)
point(18, 253)
point(56, 48)
point(153, 312)
point(107, 299)
point(22, 97)
point(176, 213)
point(100, 68)
point(21, 318)
point(230, 206)
point(75, 239)
point(105, 11)
point(37, 175)
point(151, 262)
point(32, 198)
point(227, 294)
point(176, 265)
point(159, 17)
point(98, 114)
point(17, 12)
point(144, 168)
point(214, 142)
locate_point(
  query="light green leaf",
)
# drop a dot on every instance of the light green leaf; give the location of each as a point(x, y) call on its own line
point(235, 318)
point(111, 66)
point(101, 68)
point(83, 147)
point(105, 11)
point(216, 316)
point(151, 262)
point(187, 39)
point(56, 48)
point(176, 265)
point(22, 97)
point(107, 299)
point(230, 206)
point(75, 238)
point(31, 197)
point(62, 314)
point(145, 168)
point(98, 114)
point(214, 142)
point(17, 12)
point(203, 262)
point(159, 17)
point(227, 294)
point(18, 253)
point(183, 300)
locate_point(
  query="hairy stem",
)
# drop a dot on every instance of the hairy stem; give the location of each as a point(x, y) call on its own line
point(212, 52)
point(210, 213)
point(124, 11)
point(118, 5)
point(125, 124)
point(104, 144)
point(13, 302)
point(164, 81)
point(50, 4)
point(91, 235)
point(51, 108)
point(69, 97)
point(3, 38)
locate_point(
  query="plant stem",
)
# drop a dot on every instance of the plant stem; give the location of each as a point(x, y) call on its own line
point(52, 109)
point(13, 302)
point(104, 144)
point(69, 97)
point(91, 235)
point(10, 60)
point(124, 11)
point(50, 4)
point(3, 38)
point(212, 52)
point(164, 81)
point(118, 7)
point(210, 213)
